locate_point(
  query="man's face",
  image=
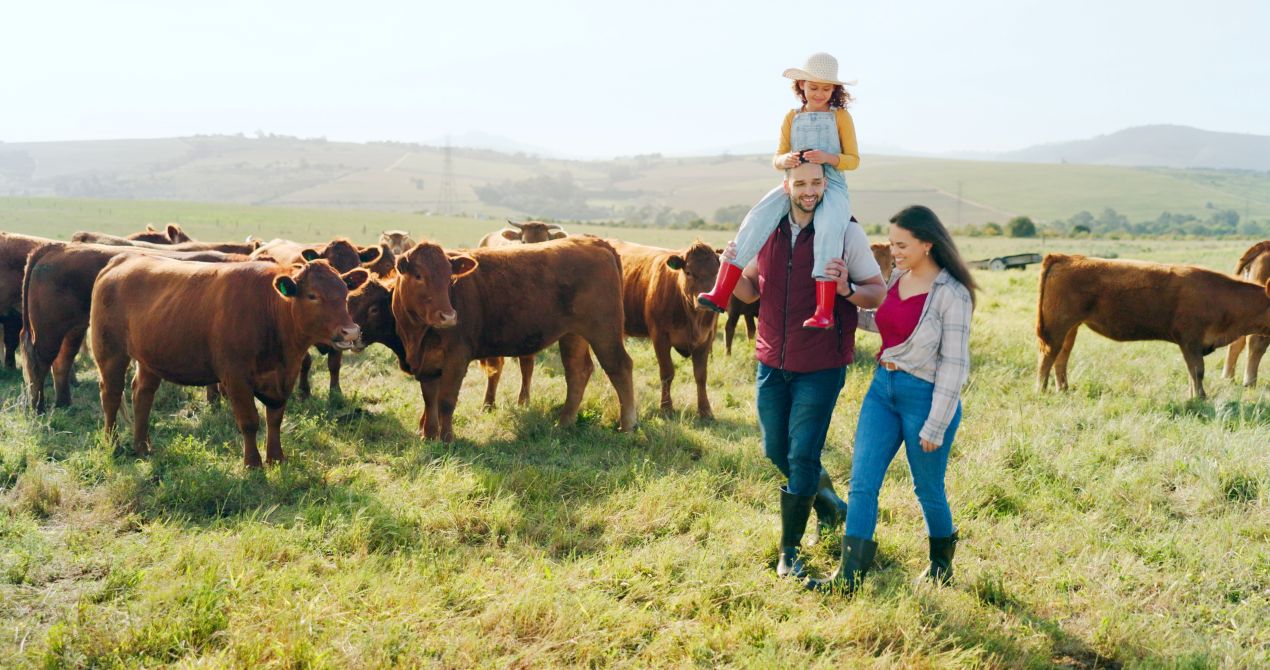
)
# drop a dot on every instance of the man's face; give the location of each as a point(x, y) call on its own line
point(805, 185)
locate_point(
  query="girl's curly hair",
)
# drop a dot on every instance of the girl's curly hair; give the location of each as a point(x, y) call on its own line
point(840, 98)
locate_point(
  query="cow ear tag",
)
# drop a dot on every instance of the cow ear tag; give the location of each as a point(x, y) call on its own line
point(286, 286)
point(675, 263)
point(309, 255)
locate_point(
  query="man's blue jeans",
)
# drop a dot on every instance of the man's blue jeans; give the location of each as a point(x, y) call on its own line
point(894, 410)
point(794, 409)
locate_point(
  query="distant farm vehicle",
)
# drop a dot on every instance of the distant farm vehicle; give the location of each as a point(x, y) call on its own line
point(997, 263)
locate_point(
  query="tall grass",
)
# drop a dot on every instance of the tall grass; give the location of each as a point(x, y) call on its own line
point(1114, 525)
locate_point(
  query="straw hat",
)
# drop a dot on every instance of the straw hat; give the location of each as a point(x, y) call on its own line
point(820, 67)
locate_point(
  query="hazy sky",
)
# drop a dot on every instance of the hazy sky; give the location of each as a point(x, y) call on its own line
point(598, 78)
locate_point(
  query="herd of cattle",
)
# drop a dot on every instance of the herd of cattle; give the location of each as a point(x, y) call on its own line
point(241, 319)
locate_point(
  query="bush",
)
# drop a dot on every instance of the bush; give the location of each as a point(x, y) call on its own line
point(1020, 226)
point(992, 229)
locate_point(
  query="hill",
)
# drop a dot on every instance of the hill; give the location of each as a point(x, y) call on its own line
point(1159, 146)
point(400, 177)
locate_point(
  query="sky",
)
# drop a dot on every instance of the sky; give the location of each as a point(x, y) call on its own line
point(598, 79)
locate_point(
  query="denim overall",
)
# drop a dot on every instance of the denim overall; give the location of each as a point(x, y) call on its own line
point(809, 130)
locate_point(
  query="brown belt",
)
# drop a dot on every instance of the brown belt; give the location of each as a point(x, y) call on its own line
point(890, 366)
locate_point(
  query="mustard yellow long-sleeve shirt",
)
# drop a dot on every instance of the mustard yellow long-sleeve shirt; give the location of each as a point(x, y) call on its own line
point(849, 159)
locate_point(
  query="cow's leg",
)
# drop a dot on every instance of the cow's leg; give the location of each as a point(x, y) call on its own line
point(111, 372)
point(273, 433)
point(212, 391)
point(306, 367)
point(575, 356)
point(729, 330)
point(64, 366)
point(12, 338)
point(526, 378)
point(335, 361)
point(617, 365)
point(430, 419)
point(493, 369)
point(1064, 354)
point(1232, 356)
point(1257, 345)
point(665, 371)
point(448, 397)
point(700, 358)
point(243, 404)
point(144, 384)
point(1194, 357)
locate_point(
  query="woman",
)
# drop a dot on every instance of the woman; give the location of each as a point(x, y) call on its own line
point(915, 397)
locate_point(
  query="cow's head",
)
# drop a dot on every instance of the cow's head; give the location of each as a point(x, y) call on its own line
point(171, 234)
point(531, 232)
point(317, 296)
point(882, 254)
point(696, 268)
point(342, 254)
point(398, 241)
point(379, 259)
point(423, 283)
point(371, 308)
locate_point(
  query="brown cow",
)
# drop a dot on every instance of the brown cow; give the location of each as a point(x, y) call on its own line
point(86, 237)
point(171, 234)
point(245, 326)
point(1253, 266)
point(452, 309)
point(1197, 309)
point(530, 232)
point(738, 308)
point(57, 287)
point(399, 241)
point(659, 289)
point(14, 249)
point(344, 256)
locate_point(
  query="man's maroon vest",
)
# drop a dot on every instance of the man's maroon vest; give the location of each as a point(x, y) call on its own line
point(787, 295)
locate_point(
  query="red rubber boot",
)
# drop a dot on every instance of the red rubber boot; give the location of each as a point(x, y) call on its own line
point(717, 299)
point(823, 318)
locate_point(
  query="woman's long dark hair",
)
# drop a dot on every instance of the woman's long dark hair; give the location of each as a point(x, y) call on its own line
point(925, 226)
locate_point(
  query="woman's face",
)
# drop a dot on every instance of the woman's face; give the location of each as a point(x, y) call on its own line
point(817, 94)
point(907, 249)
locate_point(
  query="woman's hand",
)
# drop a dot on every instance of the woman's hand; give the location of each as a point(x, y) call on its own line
point(820, 157)
point(928, 446)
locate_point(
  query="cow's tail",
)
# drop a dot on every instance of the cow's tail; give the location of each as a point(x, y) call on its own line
point(31, 260)
point(1046, 265)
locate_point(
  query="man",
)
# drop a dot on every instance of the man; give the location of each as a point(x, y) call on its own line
point(801, 371)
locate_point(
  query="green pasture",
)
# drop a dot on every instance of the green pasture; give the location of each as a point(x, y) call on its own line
point(1116, 525)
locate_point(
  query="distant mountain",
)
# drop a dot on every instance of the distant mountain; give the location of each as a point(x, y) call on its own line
point(1156, 146)
point(475, 139)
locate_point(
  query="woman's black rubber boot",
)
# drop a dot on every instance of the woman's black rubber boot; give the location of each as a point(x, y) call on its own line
point(857, 558)
point(941, 558)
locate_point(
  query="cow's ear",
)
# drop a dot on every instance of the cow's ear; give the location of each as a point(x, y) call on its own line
point(285, 286)
point(509, 234)
point(675, 262)
point(355, 278)
point(403, 264)
point(174, 232)
point(461, 265)
point(310, 255)
point(558, 234)
point(369, 254)
point(718, 250)
point(150, 228)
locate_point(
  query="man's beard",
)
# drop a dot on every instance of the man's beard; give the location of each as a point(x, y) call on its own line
point(798, 203)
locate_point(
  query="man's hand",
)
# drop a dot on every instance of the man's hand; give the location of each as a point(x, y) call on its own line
point(836, 270)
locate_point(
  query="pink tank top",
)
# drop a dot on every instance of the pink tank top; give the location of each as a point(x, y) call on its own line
point(897, 318)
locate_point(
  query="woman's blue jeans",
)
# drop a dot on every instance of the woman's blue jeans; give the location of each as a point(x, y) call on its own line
point(894, 410)
point(794, 409)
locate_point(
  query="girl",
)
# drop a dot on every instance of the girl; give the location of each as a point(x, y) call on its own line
point(820, 132)
point(915, 397)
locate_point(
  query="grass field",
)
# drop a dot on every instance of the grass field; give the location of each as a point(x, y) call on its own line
point(1117, 525)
